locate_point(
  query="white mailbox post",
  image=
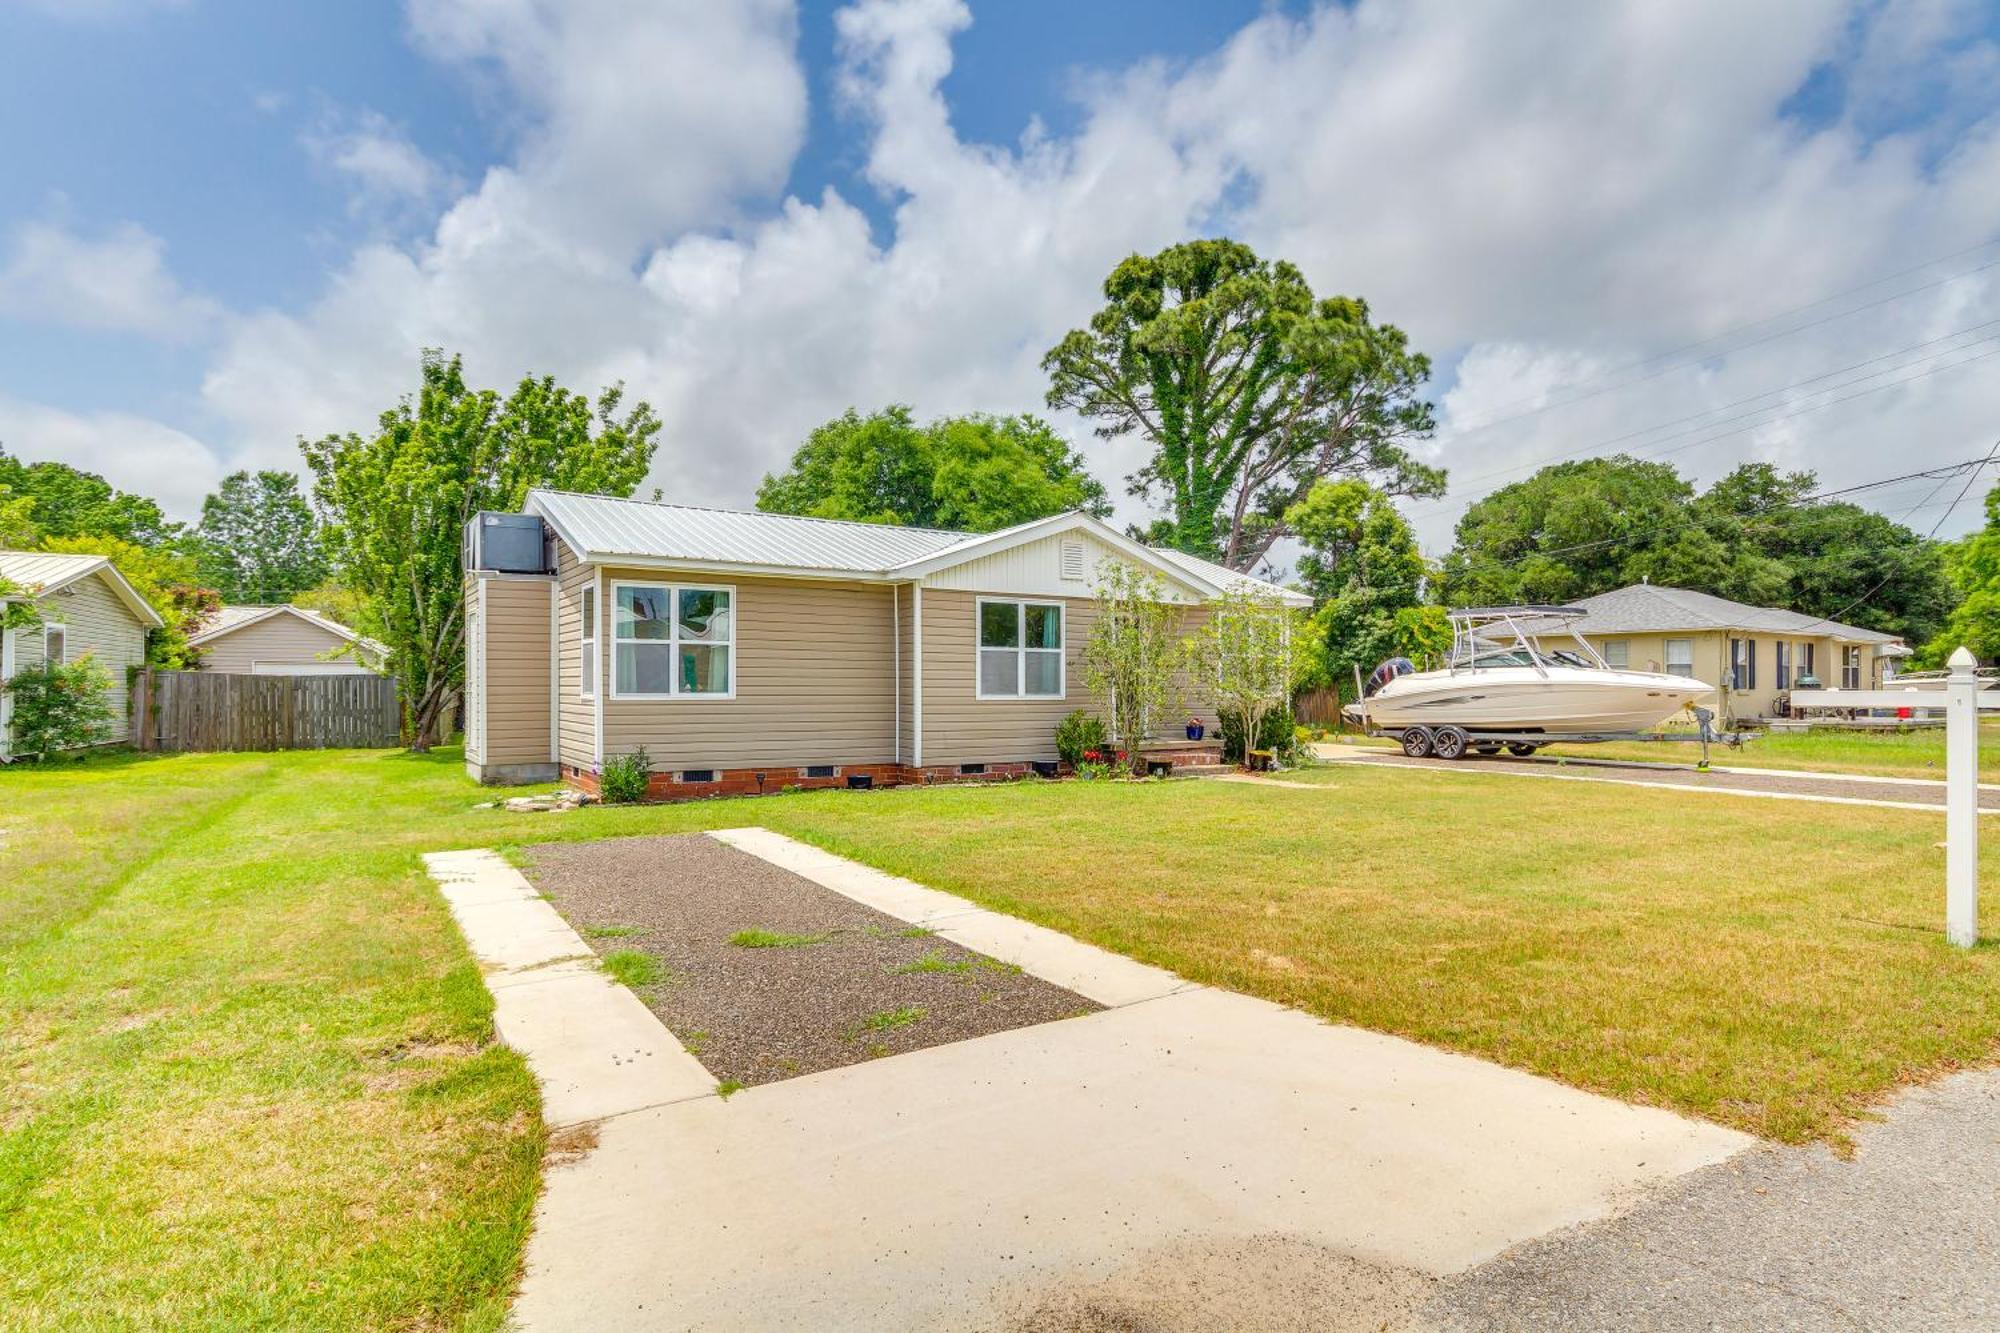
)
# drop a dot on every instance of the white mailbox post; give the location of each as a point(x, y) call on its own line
point(1961, 801)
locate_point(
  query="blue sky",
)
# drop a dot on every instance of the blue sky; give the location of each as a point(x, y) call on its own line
point(225, 224)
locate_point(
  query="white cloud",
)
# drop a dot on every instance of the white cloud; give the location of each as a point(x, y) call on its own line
point(134, 453)
point(118, 281)
point(386, 171)
point(1533, 193)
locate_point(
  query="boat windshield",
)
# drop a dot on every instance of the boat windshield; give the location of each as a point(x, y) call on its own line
point(1490, 637)
point(1517, 657)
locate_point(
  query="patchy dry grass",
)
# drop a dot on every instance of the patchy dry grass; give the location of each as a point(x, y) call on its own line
point(773, 939)
point(630, 967)
point(249, 1065)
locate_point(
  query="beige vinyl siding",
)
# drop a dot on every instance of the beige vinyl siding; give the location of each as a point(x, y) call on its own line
point(906, 665)
point(1648, 652)
point(962, 728)
point(815, 682)
point(475, 678)
point(514, 718)
point(577, 733)
point(278, 640)
point(97, 622)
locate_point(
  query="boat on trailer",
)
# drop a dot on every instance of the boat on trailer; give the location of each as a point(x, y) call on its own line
point(1511, 683)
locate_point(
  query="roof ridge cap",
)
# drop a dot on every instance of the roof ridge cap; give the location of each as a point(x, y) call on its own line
point(766, 513)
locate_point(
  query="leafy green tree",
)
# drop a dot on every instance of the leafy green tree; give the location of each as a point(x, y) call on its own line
point(17, 523)
point(971, 473)
point(259, 541)
point(1244, 657)
point(1132, 657)
point(396, 503)
point(1363, 568)
point(1974, 565)
point(58, 707)
point(1249, 389)
point(1581, 528)
point(167, 579)
point(69, 502)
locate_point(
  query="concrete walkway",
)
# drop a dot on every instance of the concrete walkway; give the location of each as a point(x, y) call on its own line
point(1270, 1169)
point(1769, 784)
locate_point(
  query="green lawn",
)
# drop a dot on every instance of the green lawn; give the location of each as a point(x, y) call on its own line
point(249, 1070)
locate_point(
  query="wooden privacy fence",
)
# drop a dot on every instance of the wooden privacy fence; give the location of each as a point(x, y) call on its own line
point(1316, 708)
point(215, 710)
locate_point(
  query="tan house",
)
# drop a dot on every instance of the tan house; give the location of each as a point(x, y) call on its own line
point(284, 641)
point(1752, 654)
point(751, 651)
point(87, 609)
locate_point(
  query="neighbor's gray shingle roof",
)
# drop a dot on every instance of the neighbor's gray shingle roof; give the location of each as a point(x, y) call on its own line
point(1648, 608)
point(603, 525)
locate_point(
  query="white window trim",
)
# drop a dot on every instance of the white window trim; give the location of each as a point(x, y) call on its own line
point(1061, 651)
point(674, 591)
point(55, 627)
point(1667, 663)
point(588, 668)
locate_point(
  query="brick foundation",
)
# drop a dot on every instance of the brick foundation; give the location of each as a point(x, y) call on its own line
point(669, 784)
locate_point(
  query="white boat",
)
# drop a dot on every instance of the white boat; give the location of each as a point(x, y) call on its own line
point(1503, 676)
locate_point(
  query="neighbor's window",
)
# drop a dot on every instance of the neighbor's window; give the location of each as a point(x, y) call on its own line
point(1806, 659)
point(1850, 668)
point(1680, 657)
point(671, 642)
point(55, 644)
point(1742, 664)
point(1617, 653)
point(588, 687)
point(1784, 665)
point(1020, 650)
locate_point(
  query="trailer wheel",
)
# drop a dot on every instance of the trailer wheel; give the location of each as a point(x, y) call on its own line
point(1417, 742)
point(1449, 743)
point(1522, 751)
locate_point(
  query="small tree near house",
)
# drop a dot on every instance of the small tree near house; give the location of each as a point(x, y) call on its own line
point(1133, 656)
point(1243, 657)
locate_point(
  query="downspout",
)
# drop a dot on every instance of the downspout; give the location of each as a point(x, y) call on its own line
point(917, 676)
point(597, 668)
point(555, 673)
point(896, 658)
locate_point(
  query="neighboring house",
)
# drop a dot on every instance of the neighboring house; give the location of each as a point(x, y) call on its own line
point(1752, 654)
point(751, 651)
point(87, 608)
point(284, 641)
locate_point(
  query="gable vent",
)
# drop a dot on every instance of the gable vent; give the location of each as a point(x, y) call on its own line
point(1072, 560)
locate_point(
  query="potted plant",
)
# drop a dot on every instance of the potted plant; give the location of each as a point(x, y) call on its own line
point(1196, 729)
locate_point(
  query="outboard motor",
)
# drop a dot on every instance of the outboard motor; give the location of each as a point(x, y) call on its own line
point(1388, 671)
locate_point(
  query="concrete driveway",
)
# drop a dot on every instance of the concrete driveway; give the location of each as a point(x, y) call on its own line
point(1245, 1163)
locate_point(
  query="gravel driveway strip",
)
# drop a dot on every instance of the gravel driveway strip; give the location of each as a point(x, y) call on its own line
point(832, 982)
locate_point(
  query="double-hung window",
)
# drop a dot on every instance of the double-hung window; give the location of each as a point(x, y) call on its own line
point(55, 644)
point(1617, 653)
point(1784, 651)
point(1850, 668)
point(1680, 657)
point(672, 641)
point(1020, 650)
point(1742, 664)
point(587, 688)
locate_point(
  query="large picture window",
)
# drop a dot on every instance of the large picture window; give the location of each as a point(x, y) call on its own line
point(1020, 650)
point(671, 641)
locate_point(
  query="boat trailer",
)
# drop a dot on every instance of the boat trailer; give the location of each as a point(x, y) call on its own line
point(1454, 742)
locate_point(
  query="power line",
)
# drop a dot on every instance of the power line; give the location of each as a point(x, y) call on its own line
point(1948, 471)
point(1770, 393)
point(1754, 425)
point(1745, 328)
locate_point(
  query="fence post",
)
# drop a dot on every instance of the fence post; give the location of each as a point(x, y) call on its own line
point(1961, 753)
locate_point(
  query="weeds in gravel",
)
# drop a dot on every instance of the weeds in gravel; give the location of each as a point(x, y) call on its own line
point(728, 1088)
point(629, 967)
point(771, 939)
point(890, 1019)
point(610, 932)
point(932, 962)
point(917, 933)
point(692, 1042)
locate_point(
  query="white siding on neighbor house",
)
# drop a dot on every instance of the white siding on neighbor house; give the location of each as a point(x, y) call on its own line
point(269, 645)
point(97, 622)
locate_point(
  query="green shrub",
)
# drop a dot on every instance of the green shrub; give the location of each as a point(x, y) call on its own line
point(1082, 730)
point(625, 777)
point(1277, 733)
point(59, 707)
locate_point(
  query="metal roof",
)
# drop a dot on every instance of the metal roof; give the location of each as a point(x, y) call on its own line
point(40, 572)
point(605, 528)
point(1646, 608)
point(601, 527)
